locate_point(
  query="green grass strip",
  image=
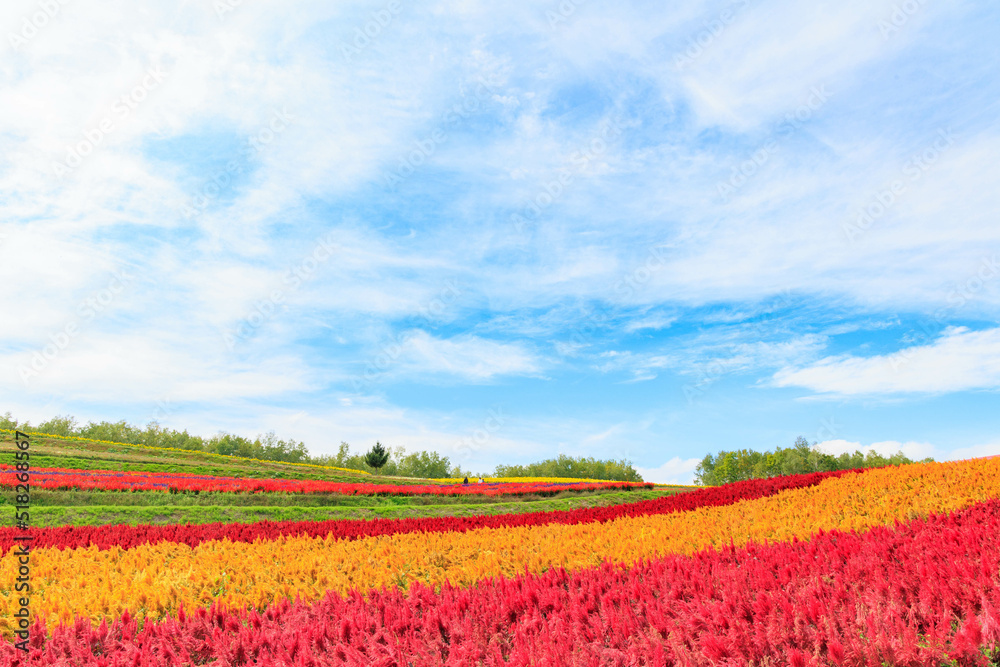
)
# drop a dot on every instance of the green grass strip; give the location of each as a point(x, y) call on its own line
point(90, 497)
point(99, 515)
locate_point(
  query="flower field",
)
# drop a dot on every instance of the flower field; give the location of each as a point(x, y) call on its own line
point(895, 566)
point(113, 480)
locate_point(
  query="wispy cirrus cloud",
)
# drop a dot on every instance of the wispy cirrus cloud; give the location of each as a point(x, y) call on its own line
point(465, 358)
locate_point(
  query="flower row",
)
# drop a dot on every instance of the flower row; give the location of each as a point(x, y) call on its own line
point(921, 593)
point(155, 580)
point(127, 537)
point(507, 480)
point(551, 480)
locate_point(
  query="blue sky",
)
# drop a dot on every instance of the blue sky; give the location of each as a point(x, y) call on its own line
point(505, 232)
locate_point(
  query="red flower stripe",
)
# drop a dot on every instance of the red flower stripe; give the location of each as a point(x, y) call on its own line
point(114, 480)
point(918, 594)
point(124, 536)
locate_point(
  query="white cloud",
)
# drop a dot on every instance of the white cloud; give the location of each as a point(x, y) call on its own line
point(975, 451)
point(470, 358)
point(603, 435)
point(653, 322)
point(130, 370)
point(674, 471)
point(712, 355)
point(765, 61)
point(913, 450)
point(958, 360)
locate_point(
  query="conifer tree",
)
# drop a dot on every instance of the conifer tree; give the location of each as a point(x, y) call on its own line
point(377, 457)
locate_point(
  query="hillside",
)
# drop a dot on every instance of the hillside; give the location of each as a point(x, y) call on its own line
point(52, 507)
point(84, 454)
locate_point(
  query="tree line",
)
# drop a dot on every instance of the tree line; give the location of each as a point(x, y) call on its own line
point(569, 466)
point(800, 458)
point(397, 462)
point(268, 447)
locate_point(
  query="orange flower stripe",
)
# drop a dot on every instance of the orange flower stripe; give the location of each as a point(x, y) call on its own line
point(151, 581)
